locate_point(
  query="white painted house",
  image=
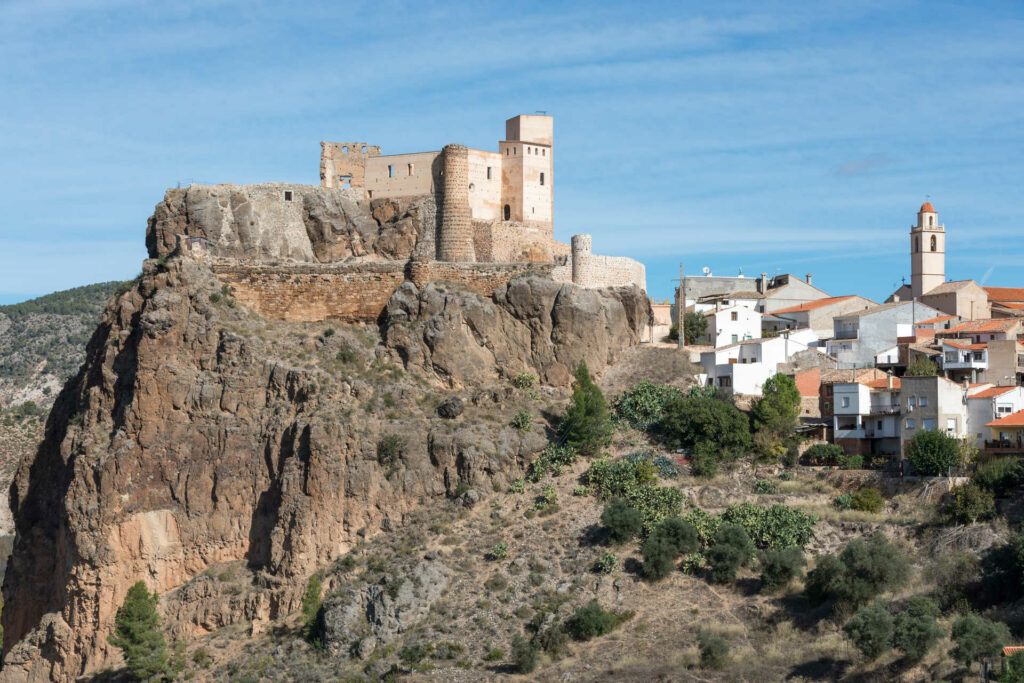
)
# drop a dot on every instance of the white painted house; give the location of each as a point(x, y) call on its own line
point(731, 325)
point(744, 367)
point(986, 404)
point(866, 416)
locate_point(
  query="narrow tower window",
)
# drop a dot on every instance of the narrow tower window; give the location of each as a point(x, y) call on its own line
point(410, 169)
point(287, 195)
point(541, 178)
point(931, 220)
point(933, 242)
point(344, 149)
point(488, 172)
point(508, 212)
point(391, 171)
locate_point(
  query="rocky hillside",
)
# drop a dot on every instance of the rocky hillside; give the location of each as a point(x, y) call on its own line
point(42, 341)
point(198, 435)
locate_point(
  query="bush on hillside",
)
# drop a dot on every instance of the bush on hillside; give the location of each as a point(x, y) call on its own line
point(525, 655)
point(635, 482)
point(777, 526)
point(643, 406)
point(824, 454)
point(922, 366)
point(871, 630)
point(864, 569)
point(867, 499)
point(970, 503)
point(932, 453)
point(551, 461)
point(586, 425)
point(593, 621)
point(620, 521)
point(1000, 476)
point(779, 406)
point(690, 422)
point(704, 462)
point(731, 550)
point(1002, 571)
point(916, 630)
point(695, 326)
point(976, 638)
point(714, 650)
point(779, 567)
point(670, 539)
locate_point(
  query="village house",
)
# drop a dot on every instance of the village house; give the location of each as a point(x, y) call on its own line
point(933, 402)
point(817, 315)
point(1007, 434)
point(866, 416)
point(744, 367)
point(731, 325)
point(1006, 302)
point(858, 336)
point(986, 404)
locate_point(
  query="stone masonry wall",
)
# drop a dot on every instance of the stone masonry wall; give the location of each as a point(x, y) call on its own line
point(456, 239)
point(482, 278)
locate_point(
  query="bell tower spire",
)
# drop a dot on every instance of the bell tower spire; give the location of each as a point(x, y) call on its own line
point(927, 251)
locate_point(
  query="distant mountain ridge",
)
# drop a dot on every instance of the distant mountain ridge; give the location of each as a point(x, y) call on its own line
point(42, 341)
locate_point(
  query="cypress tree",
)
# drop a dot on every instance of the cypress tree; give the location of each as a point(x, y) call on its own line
point(137, 632)
point(587, 425)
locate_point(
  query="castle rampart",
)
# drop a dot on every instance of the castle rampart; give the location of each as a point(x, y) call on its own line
point(343, 164)
point(455, 242)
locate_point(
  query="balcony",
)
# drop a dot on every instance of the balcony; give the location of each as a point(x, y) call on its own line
point(966, 364)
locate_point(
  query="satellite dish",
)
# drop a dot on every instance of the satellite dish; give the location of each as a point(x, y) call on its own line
point(706, 270)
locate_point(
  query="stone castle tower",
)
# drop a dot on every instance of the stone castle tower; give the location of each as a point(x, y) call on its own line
point(927, 252)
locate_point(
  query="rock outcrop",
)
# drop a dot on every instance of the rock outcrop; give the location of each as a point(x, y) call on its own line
point(531, 323)
point(198, 435)
point(275, 221)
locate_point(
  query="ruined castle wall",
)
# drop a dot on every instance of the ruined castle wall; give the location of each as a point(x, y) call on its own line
point(482, 278)
point(401, 175)
point(456, 238)
point(610, 271)
point(338, 159)
point(484, 192)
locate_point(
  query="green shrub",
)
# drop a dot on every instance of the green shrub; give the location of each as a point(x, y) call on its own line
point(345, 355)
point(137, 633)
point(932, 453)
point(621, 522)
point(390, 449)
point(824, 454)
point(643, 405)
point(714, 650)
point(551, 461)
point(494, 655)
point(680, 533)
point(310, 610)
point(704, 523)
point(976, 638)
point(524, 380)
point(844, 501)
point(731, 550)
point(518, 485)
point(1013, 668)
point(692, 421)
point(916, 631)
point(779, 567)
point(922, 366)
point(666, 466)
point(864, 569)
point(694, 326)
point(871, 630)
point(704, 462)
point(548, 498)
point(634, 482)
point(586, 425)
point(525, 655)
point(765, 487)
point(1000, 476)
point(779, 406)
point(851, 462)
point(970, 503)
point(777, 526)
point(414, 653)
point(500, 550)
point(867, 499)
point(522, 421)
point(607, 563)
point(659, 556)
point(592, 621)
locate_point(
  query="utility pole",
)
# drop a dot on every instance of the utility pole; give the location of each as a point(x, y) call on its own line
point(681, 308)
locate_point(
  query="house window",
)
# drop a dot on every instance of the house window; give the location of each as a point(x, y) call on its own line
point(950, 356)
point(508, 212)
point(508, 151)
point(928, 424)
point(735, 339)
point(287, 195)
point(1003, 409)
point(912, 401)
point(391, 171)
point(735, 315)
point(879, 425)
point(910, 423)
point(488, 172)
point(951, 424)
point(924, 401)
point(846, 401)
point(541, 178)
point(410, 169)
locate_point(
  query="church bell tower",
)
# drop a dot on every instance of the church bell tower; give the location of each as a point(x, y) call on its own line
point(927, 252)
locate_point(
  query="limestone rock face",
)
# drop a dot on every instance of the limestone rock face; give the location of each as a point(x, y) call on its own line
point(531, 323)
point(275, 221)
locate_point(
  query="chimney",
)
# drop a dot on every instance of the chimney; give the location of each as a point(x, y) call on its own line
point(888, 380)
point(762, 283)
point(967, 385)
point(809, 276)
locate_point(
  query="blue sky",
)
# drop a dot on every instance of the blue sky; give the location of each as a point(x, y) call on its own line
point(789, 137)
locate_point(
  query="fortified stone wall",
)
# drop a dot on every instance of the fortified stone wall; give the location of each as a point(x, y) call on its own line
point(351, 292)
point(340, 160)
point(593, 270)
point(512, 241)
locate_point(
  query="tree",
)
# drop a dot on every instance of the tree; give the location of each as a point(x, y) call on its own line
point(714, 650)
point(692, 421)
point(916, 630)
point(670, 539)
point(525, 655)
point(871, 630)
point(1013, 669)
point(137, 633)
point(621, 521)
point(586, 425)
point(779, 407)
point(779, 567)
point(864, 569)
point(731, 550)
point(695, 326)
point(971, 503)
point(932, 453)
point(922, 366)
point(977, 637)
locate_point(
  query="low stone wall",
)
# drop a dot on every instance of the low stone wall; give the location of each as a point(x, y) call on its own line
point(352, 292)
point(593, 270)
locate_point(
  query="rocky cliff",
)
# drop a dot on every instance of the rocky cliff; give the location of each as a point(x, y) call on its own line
point(198, 436)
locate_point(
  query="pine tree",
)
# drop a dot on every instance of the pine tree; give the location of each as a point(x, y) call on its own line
point(137, 632)
point(586, 426)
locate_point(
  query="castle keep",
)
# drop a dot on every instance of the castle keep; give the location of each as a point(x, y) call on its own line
point(340, 250)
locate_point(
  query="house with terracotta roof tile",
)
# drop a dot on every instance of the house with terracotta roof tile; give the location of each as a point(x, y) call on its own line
point(933, 402)
point(1008, 432)
point(858, 336)
point(1006, 302)
point(986, 404)
point(816, 315)
point(866, 416)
